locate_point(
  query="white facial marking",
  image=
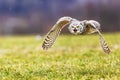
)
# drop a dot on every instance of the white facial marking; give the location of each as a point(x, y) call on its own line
point(76, 27)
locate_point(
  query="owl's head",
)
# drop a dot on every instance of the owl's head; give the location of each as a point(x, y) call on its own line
point(76, 27)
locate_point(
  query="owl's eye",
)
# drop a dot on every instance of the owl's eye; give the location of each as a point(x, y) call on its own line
point(72, 26)
point(77, 26)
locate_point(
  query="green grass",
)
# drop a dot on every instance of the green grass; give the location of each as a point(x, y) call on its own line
point(70, 58)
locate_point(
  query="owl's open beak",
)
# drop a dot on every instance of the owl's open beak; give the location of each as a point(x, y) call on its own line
point(75, 30)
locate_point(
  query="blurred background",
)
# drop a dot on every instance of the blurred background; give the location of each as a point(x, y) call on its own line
point(38, 16)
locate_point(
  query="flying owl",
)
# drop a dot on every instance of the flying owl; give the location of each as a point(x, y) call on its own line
point(75, 27)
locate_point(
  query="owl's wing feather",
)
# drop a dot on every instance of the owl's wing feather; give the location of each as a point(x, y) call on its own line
point(94, 26)
point(55, 31)
point(91, 26)
point(103, 43)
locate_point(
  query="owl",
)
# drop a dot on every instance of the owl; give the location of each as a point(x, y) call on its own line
point(75, 27)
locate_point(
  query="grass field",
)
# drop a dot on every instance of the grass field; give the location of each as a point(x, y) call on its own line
point(70, 58)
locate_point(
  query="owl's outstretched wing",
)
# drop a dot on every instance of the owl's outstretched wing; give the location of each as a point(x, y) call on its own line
point(55, 31)
point(94, 26)
point(103, 43)
point(91, 26)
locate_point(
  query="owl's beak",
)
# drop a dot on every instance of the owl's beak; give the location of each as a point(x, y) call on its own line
point(75, 30)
